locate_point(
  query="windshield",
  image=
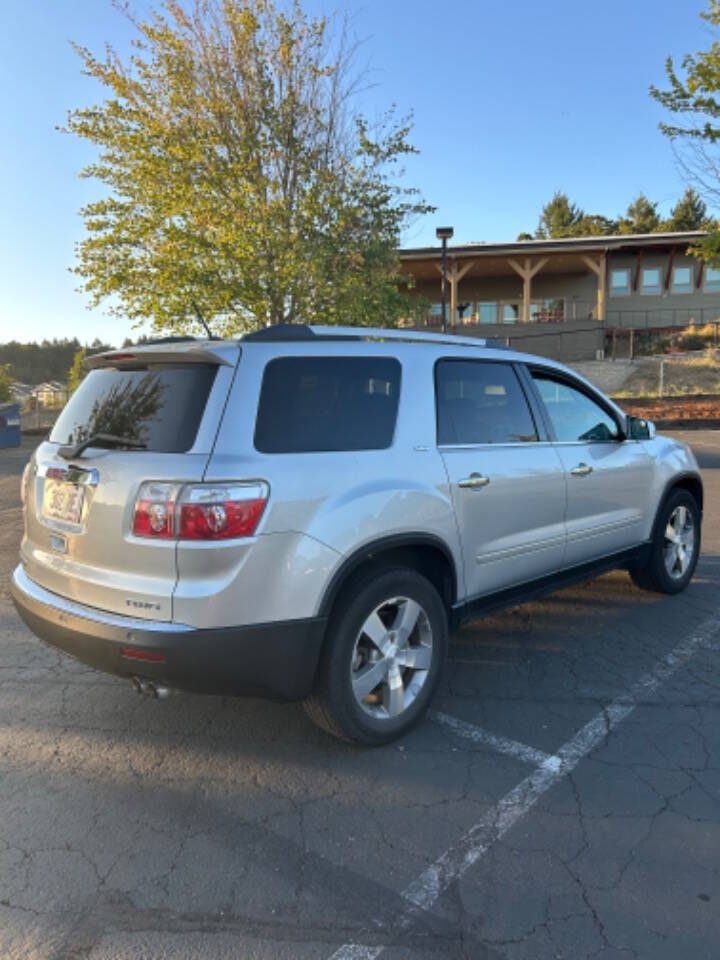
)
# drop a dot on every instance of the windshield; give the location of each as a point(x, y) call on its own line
point(159, 407)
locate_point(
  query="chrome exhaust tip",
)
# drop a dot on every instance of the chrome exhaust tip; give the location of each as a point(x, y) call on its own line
point(148, 688)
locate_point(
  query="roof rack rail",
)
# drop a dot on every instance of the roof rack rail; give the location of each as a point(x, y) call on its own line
point(301, 331)
point(179, 338)
point(281, 331)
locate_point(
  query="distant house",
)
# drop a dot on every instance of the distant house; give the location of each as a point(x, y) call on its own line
point(21, 393)
point(52, 394)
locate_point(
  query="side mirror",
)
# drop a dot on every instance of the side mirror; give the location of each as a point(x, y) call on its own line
point(639, 429)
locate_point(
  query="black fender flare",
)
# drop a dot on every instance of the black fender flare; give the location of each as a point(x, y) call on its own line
point(382, 545)
point(672, 484)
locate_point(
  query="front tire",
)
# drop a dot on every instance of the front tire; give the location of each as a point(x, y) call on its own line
point(385, 649)
point(675, 547)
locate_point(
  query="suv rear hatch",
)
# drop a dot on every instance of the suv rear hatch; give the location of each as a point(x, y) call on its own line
point(146, 414)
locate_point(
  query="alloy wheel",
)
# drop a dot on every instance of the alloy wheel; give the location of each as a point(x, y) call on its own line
point(391, 657)
point(679, 542)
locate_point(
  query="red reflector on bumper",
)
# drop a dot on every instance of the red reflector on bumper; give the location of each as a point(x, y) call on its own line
point(149, 656)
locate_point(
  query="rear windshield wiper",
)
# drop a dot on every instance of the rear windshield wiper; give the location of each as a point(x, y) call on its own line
point(100, 440)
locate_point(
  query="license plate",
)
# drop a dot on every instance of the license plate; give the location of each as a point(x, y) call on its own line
point(63, 500)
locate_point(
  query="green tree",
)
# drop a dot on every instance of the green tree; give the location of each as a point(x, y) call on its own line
point(77, 371)
point(5, 383)
point(238, 175)
point(641, 216)
point(689, 213)
point(559, 218)
point(595, 225)
point(692, 96)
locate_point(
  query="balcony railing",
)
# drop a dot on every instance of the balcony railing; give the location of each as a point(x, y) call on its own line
point(571, 311)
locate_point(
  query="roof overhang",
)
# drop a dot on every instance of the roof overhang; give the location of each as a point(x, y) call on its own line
point(564, 255)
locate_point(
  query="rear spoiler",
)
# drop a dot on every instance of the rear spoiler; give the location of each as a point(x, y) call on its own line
point(219, 353)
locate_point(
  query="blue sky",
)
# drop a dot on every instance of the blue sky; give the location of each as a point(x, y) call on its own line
point(512, 100)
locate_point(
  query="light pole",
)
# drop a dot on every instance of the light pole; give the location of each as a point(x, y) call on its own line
point(444, 234)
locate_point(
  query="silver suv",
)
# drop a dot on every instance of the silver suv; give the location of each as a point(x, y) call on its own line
point(305, 513)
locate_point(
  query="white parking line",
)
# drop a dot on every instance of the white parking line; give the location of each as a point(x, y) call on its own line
point(520, 751)
point(425, 891)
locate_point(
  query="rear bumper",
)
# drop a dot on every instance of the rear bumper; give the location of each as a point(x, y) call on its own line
point(276, 660)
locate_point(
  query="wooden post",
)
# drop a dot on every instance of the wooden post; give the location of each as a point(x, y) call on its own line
point(527, 271)
point(632, 342)
point(455, 275)
point(452, 276)
point(638, 265)
point(599, 268)
point(668, 275)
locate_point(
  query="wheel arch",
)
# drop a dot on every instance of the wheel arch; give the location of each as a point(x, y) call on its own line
point(691, 482)
point(425, 553)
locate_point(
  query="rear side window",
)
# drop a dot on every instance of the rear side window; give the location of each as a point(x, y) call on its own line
point(481, 402)
point(160, 406)
point(315, 404)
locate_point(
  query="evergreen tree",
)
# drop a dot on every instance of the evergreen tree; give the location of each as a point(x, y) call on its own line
point(559, 217)
point(689, 213)
point(641, 216)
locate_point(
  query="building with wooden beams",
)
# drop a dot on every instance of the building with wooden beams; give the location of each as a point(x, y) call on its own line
point(565, 295)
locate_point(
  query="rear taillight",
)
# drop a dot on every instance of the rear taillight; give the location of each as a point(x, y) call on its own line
point(199, 511)
point(155, 511)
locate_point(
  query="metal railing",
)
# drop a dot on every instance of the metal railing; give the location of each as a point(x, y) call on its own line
point(650, 318)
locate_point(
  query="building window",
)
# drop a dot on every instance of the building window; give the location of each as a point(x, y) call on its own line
point(510, 312)
point(712, 279)
point(434, 315)
point(682, 279)
point(465, 313)
point(651, 280)
point(619, 282)
point(550, 310)
point(487, 312)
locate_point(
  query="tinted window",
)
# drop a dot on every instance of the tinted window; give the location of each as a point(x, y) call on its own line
point(160, 406)
point(313, 404)
point(480, 402)
point(574, 416)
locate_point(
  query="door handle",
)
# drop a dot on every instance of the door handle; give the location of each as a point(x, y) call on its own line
point(474, 481)
point(581, 470)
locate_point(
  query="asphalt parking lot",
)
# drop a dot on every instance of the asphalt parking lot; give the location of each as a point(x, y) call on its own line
point(562, 802)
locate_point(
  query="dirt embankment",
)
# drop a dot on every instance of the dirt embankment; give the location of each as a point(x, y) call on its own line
point(702, 410)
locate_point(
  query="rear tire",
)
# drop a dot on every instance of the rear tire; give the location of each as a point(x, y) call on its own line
point(390, 627)
point(670, 564)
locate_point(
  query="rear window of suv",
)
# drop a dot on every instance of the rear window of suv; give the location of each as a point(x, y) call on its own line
point(318, 404)
point(159, 406)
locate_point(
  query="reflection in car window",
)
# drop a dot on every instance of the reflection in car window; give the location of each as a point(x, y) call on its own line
point(575, 417)
point(481, 402)
point(159, 406)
